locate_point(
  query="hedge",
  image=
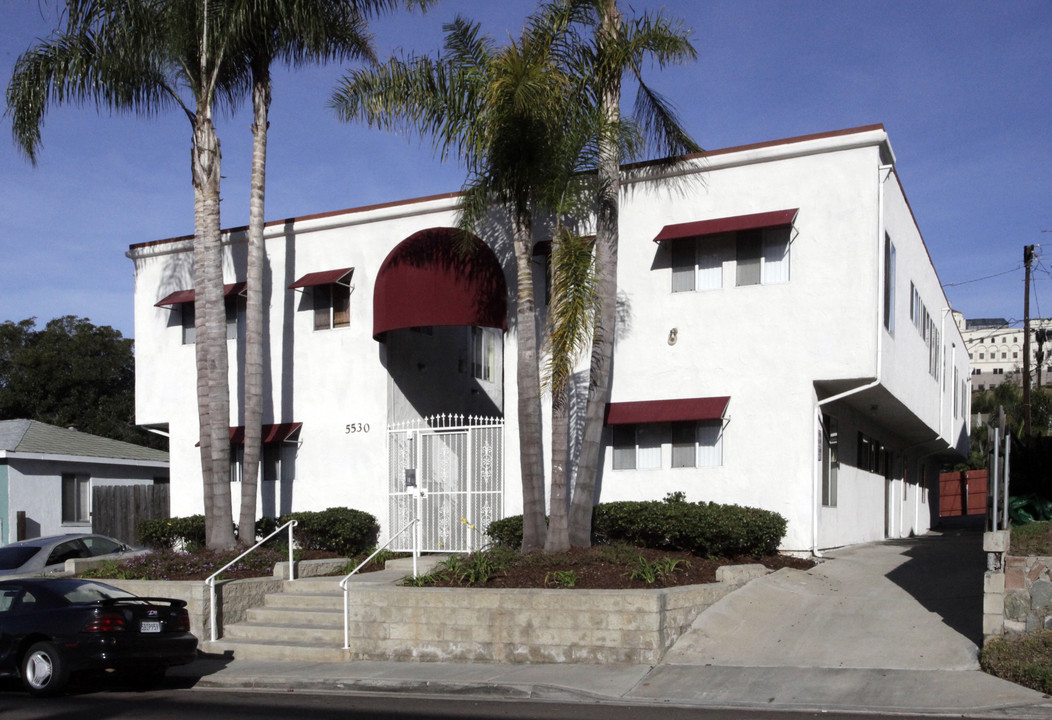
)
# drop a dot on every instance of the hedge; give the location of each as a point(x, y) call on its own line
point(705, 529)
point(340, 530)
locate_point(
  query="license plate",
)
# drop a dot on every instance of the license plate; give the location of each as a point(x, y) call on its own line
point(150, 626)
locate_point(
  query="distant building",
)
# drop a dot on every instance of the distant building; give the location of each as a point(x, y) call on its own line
point(48, 473)
point(783, 342)
point(995, 349)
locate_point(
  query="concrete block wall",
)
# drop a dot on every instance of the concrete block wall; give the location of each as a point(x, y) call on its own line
point(1017, 590)
point(523, 626)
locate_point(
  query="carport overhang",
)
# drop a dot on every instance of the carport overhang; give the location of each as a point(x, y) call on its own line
point(880, 407)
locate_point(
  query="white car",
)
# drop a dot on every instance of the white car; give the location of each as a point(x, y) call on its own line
point(46, 555)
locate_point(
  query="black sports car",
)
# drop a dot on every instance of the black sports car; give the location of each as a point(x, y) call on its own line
point(52, 627)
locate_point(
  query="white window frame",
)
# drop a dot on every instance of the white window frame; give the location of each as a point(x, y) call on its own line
point(484, 353)
point(76, 498)
point(324, 297)
point(641, 446)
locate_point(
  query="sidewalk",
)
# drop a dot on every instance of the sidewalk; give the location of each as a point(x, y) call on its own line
point(884, 627)
point(960, 693)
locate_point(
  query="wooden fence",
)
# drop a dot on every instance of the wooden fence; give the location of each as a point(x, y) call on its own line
point(116, 510)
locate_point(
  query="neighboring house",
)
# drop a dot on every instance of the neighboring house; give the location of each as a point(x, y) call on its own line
point(995, 349)
point(783, 342)
point(48, 473)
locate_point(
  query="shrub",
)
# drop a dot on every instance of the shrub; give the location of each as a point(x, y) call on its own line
point(1026, 660)
point(506, 532)
point(705, 529)
point(165, 533)
point(340, 530)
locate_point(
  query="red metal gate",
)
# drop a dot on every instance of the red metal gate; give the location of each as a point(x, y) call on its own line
point(962, 493)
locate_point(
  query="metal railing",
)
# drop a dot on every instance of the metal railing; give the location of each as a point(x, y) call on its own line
point(345, 582)
point(211, 580)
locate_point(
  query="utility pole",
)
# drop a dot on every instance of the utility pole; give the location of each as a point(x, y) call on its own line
point(1028, 259)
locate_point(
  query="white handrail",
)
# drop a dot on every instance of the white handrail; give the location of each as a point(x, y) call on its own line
point(211, 580)
point(345, 582)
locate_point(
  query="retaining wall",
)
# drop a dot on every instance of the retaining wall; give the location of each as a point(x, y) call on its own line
point(1017, 590)
point(529, 625)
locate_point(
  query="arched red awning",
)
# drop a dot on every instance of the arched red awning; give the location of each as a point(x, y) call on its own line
point(434, 278)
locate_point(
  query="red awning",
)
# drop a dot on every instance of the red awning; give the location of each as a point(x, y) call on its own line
point(656, 411)
point(325, 277)
point(270, 434)
point(435, 278)
point(187, 296)
point(777, 218)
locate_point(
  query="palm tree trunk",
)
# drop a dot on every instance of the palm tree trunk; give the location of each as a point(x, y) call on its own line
point(558, 539)
point(254, 306)
point(529, 392)
point(213, 391)
point(606, 240)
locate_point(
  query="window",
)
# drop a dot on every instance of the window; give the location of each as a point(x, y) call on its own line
point(76, 498)
point(748, 255)
point(269, 462)
point(637, 447)
point(830, 460)
point(982, 356)
point(683, 266)
point(761, 258)
point(187, 316)
point(872, 456)
point(332, 306)
point(889, 284)
point(695, 444)
point(483, 353)
point(235, 315)
point(1015, 356)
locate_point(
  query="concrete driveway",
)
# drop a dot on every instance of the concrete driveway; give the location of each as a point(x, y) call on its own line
point(913, 604)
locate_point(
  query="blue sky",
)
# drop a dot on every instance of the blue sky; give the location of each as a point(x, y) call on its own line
point(962, 88)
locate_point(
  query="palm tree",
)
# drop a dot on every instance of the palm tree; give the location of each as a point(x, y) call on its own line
point(143, 56)
point(295, 32)
point(570, 317)
point(616, 49)
point(498, 109)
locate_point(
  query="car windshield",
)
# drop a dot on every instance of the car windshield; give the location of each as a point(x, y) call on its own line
point(80, 591)
point(12, 557)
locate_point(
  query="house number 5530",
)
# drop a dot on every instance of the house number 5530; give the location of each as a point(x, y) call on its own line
point(356, 428)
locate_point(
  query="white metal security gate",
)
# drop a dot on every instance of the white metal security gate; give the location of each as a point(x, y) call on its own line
point(457, 461)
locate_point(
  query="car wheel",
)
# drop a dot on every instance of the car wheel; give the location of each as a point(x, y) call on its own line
point(44, 670)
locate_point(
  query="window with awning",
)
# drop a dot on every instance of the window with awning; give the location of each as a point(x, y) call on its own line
point(692, 429)
point(182, 301)
point(331, 295)
point(757, 245)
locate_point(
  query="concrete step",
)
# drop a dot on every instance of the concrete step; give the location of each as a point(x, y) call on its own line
point(330, 637)
point(289, 616)
point(304, 622)
point(292, 652)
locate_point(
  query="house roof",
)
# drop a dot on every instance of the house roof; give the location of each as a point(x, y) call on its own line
point(30, 436)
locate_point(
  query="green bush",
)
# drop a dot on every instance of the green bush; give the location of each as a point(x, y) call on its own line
point(1026, 660)
point(705, 529)
point(506, 532)
point(340, 530)
point(165, 533)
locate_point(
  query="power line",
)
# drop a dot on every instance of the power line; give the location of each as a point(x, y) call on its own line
point(987, 277)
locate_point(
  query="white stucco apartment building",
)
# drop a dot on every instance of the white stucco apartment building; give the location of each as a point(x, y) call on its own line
point(783, 342)
point(995, 350)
